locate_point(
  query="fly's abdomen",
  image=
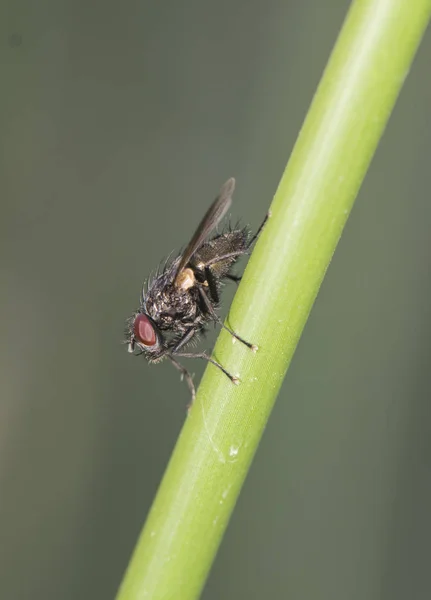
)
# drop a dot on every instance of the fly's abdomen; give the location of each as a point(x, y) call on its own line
point(220, 253)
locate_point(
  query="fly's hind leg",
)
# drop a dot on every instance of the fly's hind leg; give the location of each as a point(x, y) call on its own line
point(235, 278)
point(246, 250)
point(259, 231)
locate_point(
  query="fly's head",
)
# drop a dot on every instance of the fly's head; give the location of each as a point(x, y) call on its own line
point(142, 334)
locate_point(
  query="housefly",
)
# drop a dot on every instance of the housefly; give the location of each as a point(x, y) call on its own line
point(184, 297)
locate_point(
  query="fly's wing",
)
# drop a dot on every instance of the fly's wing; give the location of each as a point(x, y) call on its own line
point(214, 215)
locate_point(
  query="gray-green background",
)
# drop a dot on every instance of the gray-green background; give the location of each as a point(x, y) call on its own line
point(119, 122)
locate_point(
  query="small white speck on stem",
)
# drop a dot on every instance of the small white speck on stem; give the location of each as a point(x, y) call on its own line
point(226, 492)
point(233, 451)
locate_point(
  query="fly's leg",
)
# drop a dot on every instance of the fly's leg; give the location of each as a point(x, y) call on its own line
point(239, 253)
point(259, 231)
point(208, 358)
point(216, 318)
point(186, 374)
point(184, 340)
point(235, 254)
point(235, 278)
point(211, 283)
point(212, 286)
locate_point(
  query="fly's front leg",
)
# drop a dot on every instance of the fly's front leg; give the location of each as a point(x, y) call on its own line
point(184, 340)
point(186, 374)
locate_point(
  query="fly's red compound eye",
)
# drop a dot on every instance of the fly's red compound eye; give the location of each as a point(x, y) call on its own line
point(144, 331)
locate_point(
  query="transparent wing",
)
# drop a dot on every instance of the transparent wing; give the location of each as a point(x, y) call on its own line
point(212, 218)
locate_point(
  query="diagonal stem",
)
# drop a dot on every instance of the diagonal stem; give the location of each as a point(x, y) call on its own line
point(352, 105)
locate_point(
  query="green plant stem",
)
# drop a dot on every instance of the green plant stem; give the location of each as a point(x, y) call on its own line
point(365, 73)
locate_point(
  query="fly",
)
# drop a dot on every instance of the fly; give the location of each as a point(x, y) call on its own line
point(184, 298)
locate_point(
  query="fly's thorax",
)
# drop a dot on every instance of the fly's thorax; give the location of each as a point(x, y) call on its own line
point(171, 307)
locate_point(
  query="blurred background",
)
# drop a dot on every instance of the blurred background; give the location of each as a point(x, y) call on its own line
point(119, 123)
